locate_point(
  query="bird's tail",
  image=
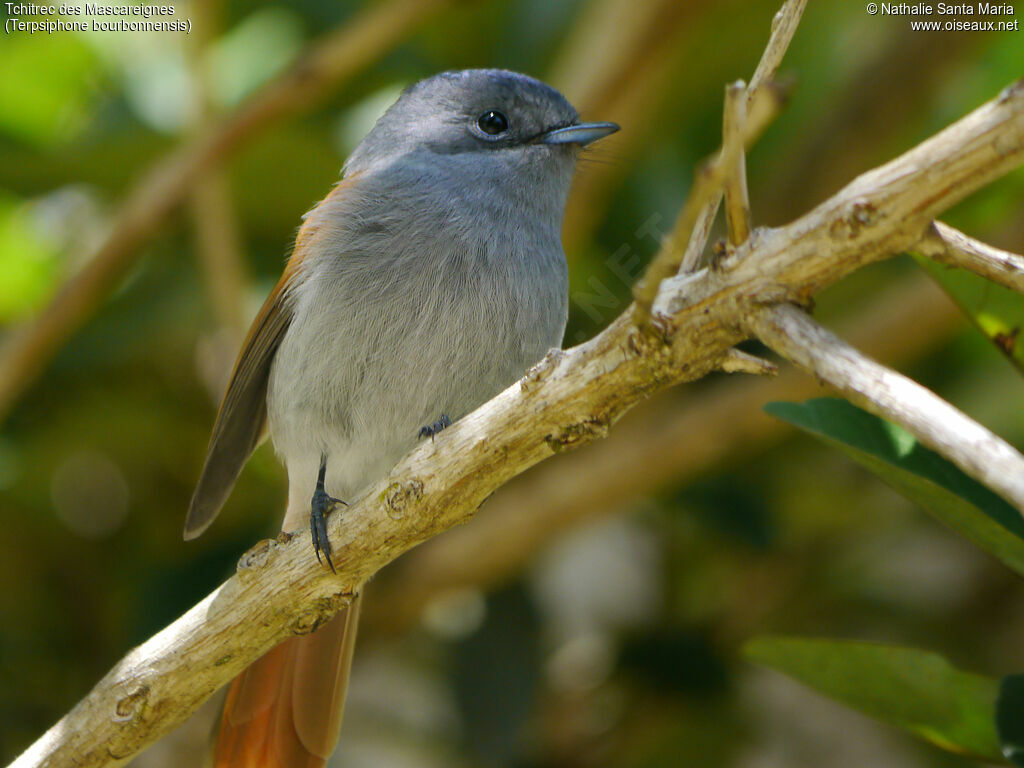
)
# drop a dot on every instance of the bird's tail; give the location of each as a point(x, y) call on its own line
point(285, 710)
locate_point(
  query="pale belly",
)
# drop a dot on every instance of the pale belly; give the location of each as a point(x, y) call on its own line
point(356, 385)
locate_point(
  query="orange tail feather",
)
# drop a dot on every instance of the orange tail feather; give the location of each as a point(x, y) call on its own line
point(285, 710)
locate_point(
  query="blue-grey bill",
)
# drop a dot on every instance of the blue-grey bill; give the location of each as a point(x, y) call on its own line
point(581, 133)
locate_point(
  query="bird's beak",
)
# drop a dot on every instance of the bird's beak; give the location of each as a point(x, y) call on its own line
point(581, 133)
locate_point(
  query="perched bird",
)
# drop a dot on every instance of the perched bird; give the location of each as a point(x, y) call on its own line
point(429, 279)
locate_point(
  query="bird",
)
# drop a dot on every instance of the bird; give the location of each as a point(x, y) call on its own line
point(429, 279)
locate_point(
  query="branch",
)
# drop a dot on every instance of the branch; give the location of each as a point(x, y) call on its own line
point(699, 236)
point(705, 193)
point(27, 350)
point(734, 185)
point(981, 454)
point(784, 26)
point(882, 212)
point(955, 249)
point(738, 361)
point(677, 437)
point(566, 400)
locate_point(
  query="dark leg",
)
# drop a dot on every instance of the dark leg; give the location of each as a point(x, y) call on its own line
point(321, 504)
point(432, 429)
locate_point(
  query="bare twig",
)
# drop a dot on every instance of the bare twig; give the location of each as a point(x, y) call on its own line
point(701, 231)
point(568, 399)
point(981, 454)
point(955, 249)
point(707, 186)
point(734, 187)
point(738, 361)
point(27, 350)
point(784, 26)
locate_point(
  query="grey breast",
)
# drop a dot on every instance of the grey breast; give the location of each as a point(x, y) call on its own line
point(416, 304)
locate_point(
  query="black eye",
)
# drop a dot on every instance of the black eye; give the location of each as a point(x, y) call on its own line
point(492, 123)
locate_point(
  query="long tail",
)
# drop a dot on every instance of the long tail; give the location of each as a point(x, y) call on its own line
point(285, 710)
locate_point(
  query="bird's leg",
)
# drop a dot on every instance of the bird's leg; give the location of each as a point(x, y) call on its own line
point(432, 429)
point(321, 504)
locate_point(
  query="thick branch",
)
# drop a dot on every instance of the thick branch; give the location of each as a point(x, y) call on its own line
point(981, 454)
point(568, 399)
point(955, 249)
point(663, 444)
point(882, 212)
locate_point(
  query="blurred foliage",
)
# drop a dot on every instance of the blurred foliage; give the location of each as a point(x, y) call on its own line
point(914, 689)
point(639, 663)
point(29, 262)
point(1010, 717)
point(934, 483)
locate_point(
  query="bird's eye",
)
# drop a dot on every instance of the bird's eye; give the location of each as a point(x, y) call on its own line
point(492, 122)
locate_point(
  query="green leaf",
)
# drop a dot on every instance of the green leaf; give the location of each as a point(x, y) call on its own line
point(1010, 717)
point(913, 689)
point(998, 312)
point(938, 486)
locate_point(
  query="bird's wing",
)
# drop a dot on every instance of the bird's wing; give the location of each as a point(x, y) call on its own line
point(241, 420)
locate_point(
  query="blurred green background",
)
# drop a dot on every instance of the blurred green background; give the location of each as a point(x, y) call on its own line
point(613, 638)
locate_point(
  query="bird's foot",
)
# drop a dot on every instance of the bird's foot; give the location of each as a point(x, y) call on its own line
point(320, 505)
point(432, 429)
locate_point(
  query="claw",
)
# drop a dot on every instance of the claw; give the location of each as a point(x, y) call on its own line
point(432, 429)
point(320, 505)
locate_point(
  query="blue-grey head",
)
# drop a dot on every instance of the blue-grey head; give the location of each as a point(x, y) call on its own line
point(484, 118)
